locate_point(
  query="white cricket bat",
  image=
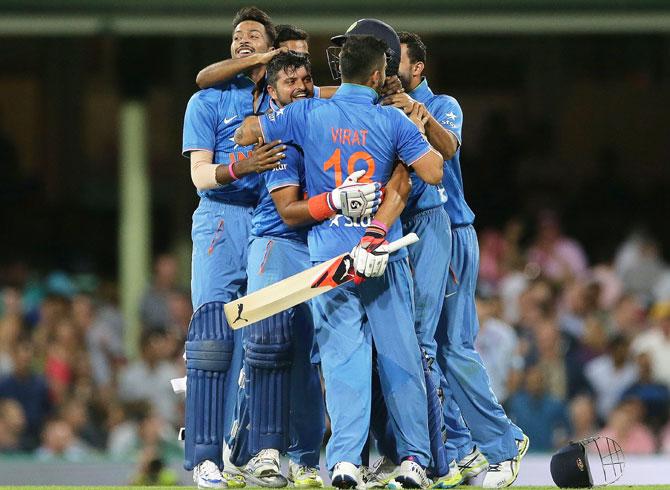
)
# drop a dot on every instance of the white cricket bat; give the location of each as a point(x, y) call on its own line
point(298, 288)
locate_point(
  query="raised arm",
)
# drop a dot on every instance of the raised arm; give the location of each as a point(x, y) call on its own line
point(438, 136)
point(225, 70)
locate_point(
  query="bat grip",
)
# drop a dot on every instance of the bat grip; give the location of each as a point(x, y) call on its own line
point(405, 241)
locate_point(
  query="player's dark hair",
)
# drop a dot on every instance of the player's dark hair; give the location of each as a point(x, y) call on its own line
point(288, 32)
point(416, 50)
point(360, 56)
point(257, 15)
point(290, 61)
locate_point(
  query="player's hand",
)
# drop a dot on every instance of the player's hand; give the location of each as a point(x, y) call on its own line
point(371, 255)
point(355, 200)
point(264, 157)
point(265, 58)
point(401, 101)
point(392, 85)
point(419, 116)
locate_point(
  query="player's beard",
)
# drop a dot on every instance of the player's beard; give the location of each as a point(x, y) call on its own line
point(405, 80)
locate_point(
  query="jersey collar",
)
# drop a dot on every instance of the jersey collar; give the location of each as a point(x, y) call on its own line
point(422, 92)
point(356, 93)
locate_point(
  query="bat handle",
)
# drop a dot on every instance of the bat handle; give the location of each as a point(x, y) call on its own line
point(405, 241)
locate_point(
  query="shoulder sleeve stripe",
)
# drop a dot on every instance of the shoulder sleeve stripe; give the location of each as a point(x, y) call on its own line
point(430, 149)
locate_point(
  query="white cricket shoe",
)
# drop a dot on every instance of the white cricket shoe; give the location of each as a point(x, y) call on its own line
point(208, 475)
point(501, 474)
point(473, 464)
point(264, 470)
point(347, 475)
point(383, 471)
point(411, 475)
point(304, 476)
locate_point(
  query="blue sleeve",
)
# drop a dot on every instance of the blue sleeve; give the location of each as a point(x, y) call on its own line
point(449, 114)
point(200, 122)
point(288, 172)
point(286, 124)
point(410, 143)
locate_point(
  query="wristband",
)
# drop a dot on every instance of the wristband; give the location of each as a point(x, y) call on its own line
point(379, 224)
point(231, 172)
point(318, 207)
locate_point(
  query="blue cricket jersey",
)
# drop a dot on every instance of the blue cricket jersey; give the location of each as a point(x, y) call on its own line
point(339, 136)
point(212, 116)
point(266, 220)
point(446, 110)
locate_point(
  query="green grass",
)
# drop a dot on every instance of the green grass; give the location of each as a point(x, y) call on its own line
point(60, 487)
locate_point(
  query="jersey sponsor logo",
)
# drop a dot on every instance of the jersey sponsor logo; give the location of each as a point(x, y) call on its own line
point(281, 166)
point(347, 222)
point(228, 119)
point(450, 119)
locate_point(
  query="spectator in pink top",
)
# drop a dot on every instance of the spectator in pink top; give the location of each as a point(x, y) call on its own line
point(558, 256)
point(625, 427)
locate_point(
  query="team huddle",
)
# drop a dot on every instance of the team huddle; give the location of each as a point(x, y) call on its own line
point(290, 175)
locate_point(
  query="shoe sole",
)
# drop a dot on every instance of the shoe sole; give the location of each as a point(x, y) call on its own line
point(344, 481)
point(306, 483)
point(407, 482)
point(444, 484)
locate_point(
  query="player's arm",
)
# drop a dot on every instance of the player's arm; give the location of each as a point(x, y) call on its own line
point(225, 70)
point(350, 199)
point(439, 137)
point(396, 194)
point(207, 176)
point(249, 132)
point(371, 254)
point(430, 165)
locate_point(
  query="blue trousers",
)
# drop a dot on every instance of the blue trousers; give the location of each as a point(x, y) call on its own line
point(272, 259)
point(467, 383)
point(430, 258)
point(347, 319)
point(218, 273)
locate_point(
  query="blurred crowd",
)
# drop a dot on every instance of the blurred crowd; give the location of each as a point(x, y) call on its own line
point(68, 391)
point(573, 349)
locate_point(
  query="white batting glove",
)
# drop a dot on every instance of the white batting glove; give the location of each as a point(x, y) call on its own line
point(355, 200)
point(371, 255)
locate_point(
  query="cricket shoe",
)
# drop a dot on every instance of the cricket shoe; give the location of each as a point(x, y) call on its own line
point(451, 479)
point(304, 476)
point(473, 464)
point(501, 474)
point(522, 445)
point(264, 470)
point(208, 475)
point(383, 471)
point(411, 475)
point(347, 475)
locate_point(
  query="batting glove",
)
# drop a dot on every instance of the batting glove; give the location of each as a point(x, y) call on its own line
point(355, 200)
point(371, 255)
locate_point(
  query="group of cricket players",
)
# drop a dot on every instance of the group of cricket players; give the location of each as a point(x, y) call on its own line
point(291, 174)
